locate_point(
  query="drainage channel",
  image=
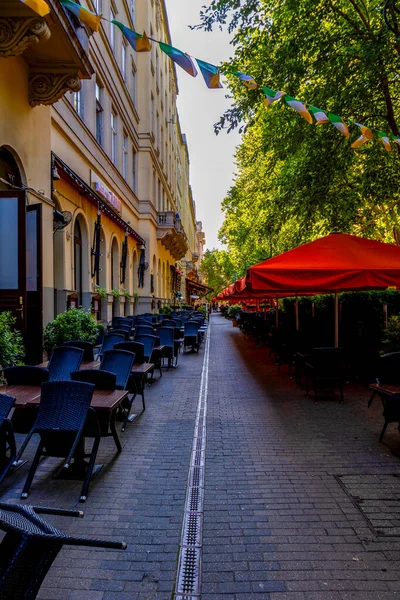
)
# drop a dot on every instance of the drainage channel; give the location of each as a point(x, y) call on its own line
point(188, 577)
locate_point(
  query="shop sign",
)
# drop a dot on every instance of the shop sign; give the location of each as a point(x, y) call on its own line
point(105, 192)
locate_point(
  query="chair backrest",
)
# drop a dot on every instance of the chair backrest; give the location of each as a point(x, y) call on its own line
point(87, 348)
point(6, 404)
point(389, 368)
point(179, 323)
point(119, 362)
point(25, 375)
point(166, 335)
point(195, 322)
point(143, 330)
point(110, 340)
point(148, 341)
point(103, 380)
point(169, 323)
point(136, 348)
point(117, 321)
point(125, 331)
point(63, 405)
point(63, 361)
point(132, 320)
point(191, 329)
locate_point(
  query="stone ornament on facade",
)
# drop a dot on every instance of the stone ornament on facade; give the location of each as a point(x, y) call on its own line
point(17, 34)
point(47, 88)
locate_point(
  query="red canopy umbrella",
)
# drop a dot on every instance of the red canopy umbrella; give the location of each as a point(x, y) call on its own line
point(333, 263)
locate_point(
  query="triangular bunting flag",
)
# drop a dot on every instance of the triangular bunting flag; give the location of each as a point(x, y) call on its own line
point(39, 6)
point(140, 43)
point(210, 74)
point(248, 80)
point(299, 107)
point(180, 58)
point(366, 134)
point(83, 14)
point(271, 96)
point(339, 124)
point(320, 117)
point(385, 140)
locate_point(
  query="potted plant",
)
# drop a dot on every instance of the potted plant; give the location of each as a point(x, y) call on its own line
point(100, 292)
point(11, 344)
point(73, 324)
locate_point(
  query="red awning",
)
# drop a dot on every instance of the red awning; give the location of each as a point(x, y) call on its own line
point(332, 263)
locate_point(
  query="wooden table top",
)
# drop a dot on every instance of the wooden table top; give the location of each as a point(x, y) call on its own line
point(390, 389)
point(29, 395)
point(85, 364)
point(142, 368)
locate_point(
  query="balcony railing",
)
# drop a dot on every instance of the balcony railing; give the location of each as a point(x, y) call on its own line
point(171, 233)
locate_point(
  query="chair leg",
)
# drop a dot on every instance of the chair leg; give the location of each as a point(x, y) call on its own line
point(114, 432)
point(32, 471)
point(92, 462)
point(341, 392)
point(383, 430)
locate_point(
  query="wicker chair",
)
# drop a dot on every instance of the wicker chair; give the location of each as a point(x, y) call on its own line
point(63, 410)
point(26, 375)
point(30, 546)
point(191, 337)
point(63, 361)
point(109, 341)
point(102, 380)
point(167, 336)
point(87, 347)
point(143, 330)
point(119, 362)
point(8, 449)
point(148, 341)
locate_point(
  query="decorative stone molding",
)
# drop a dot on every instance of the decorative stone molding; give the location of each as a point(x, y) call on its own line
point(17, 34)
point(174, 242)
point(47, 88)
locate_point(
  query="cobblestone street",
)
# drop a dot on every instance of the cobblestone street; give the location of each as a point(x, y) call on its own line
point(301, 502)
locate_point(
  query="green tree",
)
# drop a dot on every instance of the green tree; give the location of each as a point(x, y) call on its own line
point(217, 270)
point(295, 181)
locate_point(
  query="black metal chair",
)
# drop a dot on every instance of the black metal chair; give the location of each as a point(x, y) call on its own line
point(63, 361)
point(87, 347)
point(109, 341)
point(324, 369)
point(102, 380)
point(191, 337)
point(63, 411)
point(30, 546)
point(8, 450)
point(167, 339)
point(26, 375)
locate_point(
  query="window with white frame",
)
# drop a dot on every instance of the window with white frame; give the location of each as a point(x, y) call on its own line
point(123, 60)
point(125, 157)
point(114, 137)
point(134, 158)
point(99, 113)
point(77, 102)
point(112, 29)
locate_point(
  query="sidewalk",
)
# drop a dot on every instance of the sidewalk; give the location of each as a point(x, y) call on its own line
point(301, 502)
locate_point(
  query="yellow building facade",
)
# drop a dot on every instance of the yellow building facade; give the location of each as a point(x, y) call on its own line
point(95, 203)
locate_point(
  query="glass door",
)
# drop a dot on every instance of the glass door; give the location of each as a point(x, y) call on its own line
point(12, 256)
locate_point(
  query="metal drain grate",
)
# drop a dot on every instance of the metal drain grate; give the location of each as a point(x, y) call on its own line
point(188, 579)
point(193, 530)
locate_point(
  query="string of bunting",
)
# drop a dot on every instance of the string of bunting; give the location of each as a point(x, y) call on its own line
point(211, 74)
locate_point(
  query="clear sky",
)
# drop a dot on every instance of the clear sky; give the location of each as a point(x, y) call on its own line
point(211, 157)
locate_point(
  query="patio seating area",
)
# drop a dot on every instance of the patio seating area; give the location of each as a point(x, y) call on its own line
point(300, 500)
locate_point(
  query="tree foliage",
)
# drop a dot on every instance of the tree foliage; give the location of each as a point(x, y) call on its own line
point(298, 181)
point(217, 270)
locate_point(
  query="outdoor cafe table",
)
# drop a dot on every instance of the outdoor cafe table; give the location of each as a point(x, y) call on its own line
point(105, 403)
